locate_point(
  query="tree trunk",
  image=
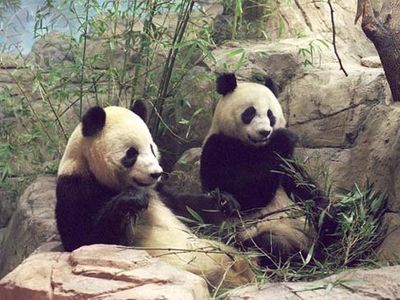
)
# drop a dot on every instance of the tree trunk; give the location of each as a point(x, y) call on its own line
point(384, 32)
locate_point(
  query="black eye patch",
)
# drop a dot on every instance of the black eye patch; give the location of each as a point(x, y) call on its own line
point(271, 117)
point(248, 115)
point(130, 157)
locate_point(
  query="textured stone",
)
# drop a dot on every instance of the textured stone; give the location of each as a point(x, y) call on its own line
point(389, 250)
point(31, 225)
point(100, 271)
point(360, 284)
point(185, 177)
point(371, 62)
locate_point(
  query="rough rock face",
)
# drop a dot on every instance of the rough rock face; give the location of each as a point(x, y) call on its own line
point(381, 283)
point(101, 272)
point(303, 17)
point(31, 225)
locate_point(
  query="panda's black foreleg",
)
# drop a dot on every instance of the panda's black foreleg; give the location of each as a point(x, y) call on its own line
point(213, 207)
point(88, 213)
point(113, 218)
point(283, 142)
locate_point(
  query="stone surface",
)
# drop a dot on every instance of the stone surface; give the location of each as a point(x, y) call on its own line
point(31, 225)
point(10, 61)
point(7, 206)
point(185, 177)
point(52, 49)
point(389, 250)
point(101, 272)
point(303, 17)
point(360, 284)
point(371, 62)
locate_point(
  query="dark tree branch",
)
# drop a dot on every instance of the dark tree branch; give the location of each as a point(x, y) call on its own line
point(386, 39)
point(334, 39)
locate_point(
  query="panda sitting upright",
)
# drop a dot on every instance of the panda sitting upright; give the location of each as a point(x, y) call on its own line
point(105, 194)
point(243, 156)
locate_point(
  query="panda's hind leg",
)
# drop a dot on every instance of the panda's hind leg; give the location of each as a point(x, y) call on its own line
point(276, 241)
point(279, 231)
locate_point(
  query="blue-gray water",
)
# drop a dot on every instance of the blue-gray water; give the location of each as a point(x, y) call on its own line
point(18, 21)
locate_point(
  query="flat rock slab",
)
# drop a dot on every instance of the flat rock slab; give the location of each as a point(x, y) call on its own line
point(383, 283)
point(100, 272)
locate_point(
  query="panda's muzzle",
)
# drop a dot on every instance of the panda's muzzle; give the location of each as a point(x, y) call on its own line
point(153, 179)
point(143, 184)
point(264, 137)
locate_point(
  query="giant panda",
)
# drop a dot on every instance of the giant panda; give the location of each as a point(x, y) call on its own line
point(247, 158)
point(106, 194)
point(248, 154)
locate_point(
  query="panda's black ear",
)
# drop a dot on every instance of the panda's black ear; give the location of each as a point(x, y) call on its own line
point(93, 121)
point(226, 83)
point(273, 86)
point(140, 109)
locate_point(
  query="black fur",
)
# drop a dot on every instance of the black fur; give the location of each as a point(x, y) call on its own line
point(88, 212)
point(273, 86)
point(226, 83)
point(248, 115)
point(140, 109)
point(213, 207)
point(130, 158)
point(93, 121)
point(271, 117)
point(250, 174)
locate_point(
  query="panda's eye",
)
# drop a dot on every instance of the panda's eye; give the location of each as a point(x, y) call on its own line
point(131, 152)
point(248, 115)
point(130, 157)
point(271, 117)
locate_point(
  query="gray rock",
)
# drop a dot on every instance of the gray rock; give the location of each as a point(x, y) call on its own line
point(360, 284)
point(7, 206)
point(31, 225)
point(101, 272)
point(371, 62)
point(185, 177)
point(389, 250)
point(52, 49)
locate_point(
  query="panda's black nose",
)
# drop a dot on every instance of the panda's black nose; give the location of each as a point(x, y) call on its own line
point(155, 175)
point(264, 133)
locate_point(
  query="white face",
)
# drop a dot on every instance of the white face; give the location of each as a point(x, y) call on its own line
point(250, 113)
point(125, 153)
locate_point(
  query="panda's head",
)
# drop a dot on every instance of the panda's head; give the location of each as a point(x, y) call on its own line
point(247, 111)
point(114, 144)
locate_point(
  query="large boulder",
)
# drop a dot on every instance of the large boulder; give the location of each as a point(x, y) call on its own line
point(357, 284)
point(31, 225)
point(101, 272)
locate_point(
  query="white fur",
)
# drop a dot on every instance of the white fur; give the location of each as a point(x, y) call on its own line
point(123, 129)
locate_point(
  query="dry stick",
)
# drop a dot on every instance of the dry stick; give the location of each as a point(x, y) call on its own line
point(334, 39)
point(45, 98)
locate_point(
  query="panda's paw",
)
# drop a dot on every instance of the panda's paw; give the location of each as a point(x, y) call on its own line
point(283, 142)
point(226, 203)
point(132, 201)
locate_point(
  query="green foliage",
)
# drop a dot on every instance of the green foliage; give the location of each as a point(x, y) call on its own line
point(360, 231)
point(117, 52)
point(312, 52)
